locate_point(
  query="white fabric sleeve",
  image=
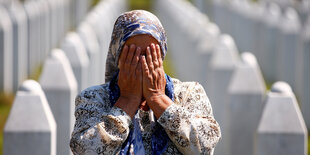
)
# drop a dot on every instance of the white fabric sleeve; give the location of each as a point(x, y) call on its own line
point(99, 128)
point(189, 122)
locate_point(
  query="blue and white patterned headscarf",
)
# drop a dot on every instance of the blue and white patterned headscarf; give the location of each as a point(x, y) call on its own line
point(127, 25)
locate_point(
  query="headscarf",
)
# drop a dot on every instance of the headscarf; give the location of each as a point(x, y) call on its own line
point(127, 25)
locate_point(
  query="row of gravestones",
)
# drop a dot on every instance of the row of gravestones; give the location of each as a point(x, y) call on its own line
point(42, 116)
point(252, 122)
point(277, 33)
point(28, 30)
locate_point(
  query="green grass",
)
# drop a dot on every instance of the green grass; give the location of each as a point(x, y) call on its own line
point(308, 144)
point(6, 101)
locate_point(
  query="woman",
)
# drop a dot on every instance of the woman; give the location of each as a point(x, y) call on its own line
point(140, 109)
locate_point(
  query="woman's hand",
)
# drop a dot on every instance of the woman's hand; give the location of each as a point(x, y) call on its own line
point(154, 81)
point(130, 80)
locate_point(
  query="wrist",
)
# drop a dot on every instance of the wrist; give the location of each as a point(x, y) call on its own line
point(129, 105)
point(159, 103)
point(155, 97)
point(131, 98)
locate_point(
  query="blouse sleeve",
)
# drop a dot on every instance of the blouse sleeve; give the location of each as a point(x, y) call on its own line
point(99, 128)
point(190, 123)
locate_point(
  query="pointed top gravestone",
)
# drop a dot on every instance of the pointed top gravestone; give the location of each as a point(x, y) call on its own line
point(60, 86)
point(248, 77)
point(77, 56)
point(225, 52)
point(304, 84)
point(31, 127)
point(282, 129)
point(246, 92)
point(20, 44)
point(90, 41)
point(289, 52)
point(269, 43)
point(222, 64)
point(6, 51)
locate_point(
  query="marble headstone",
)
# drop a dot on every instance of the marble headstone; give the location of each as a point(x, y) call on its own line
point(32, 13)
point(31, 127)
point(60, 86)
point(222, 65)
point(78, 58)
point(304, 84)
point(90, 42)
point(246, 92)
point(288, 54)
point(6, 51)
point(282, 130)
point(269, 43)
point(20, 48)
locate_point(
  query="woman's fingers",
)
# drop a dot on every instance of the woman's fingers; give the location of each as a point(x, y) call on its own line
point(135, 60)
point(154, 56)
point(123, 56)
point(149, 59)
point(130, 56)
point(159, 58)
point(145, 68)
point(138, 71)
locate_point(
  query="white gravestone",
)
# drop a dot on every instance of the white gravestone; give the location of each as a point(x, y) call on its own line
point(59, 84)
point(282, 130)
point(6, 51)
point(103, 35)
point(77, 56)
point(20, 48)
point(222, 65)
point(33, 35)
point(253, 14)
point(304, 84)
point(269, 43)
point(237, 22)
point(31, 127)
point(288, 55)
point(80, 10)
point(208, 40)
point(219, 14)
point(246, 92)
point(90, 41)
point(44, 30)
point(68, 4)
point(53, 23)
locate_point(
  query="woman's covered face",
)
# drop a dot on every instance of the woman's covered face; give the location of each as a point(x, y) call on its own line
point(137, 27)
point(142, 41)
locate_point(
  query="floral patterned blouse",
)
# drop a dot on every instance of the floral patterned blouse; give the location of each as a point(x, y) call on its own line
point(102, 129)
